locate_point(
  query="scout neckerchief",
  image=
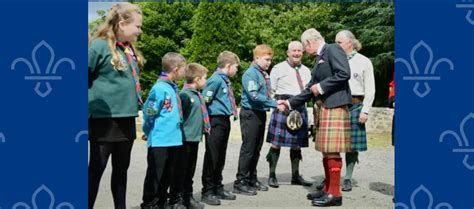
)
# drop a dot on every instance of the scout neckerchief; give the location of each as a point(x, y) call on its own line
point(165, 77)
point(231, 92)
point(130, 57)
point(352, 54)
point(205, 115)
point(298, 75)
point(267, 80)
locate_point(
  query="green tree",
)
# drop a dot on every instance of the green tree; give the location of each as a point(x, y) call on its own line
point(216, 28)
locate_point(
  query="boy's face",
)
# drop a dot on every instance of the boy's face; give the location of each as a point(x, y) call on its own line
point(200, 81)
point(180, 72)
point(232, 70)
point(264, 61)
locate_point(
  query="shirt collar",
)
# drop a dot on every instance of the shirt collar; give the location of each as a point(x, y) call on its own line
point(320, 48)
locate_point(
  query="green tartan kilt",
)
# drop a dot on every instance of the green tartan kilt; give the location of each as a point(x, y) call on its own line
point(358, 133)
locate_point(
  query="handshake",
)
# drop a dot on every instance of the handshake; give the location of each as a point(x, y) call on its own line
point(283, 105)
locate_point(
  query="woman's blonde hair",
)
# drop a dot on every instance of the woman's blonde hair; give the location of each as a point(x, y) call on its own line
point(108, 30)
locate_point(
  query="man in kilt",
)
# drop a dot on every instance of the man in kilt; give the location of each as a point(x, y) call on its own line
point(329, 85)
point(287, 79)
point(362, 84)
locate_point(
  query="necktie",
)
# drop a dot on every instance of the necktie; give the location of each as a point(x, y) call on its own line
point(231, 92)
point(136, 79)
point(298, 75)
point(165, 77)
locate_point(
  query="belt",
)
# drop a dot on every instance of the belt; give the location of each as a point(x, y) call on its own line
point(357, 99)
point(282, 96)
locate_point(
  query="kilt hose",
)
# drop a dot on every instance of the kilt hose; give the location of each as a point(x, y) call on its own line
point(358, 133)
point(279, 134)
point(333, 133)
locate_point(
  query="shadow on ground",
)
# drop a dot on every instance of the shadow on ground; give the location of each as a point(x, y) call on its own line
point(386, 189)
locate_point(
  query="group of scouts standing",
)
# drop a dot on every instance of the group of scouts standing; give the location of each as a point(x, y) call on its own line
point(174, 121)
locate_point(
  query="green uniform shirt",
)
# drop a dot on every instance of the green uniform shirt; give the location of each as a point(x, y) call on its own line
point(111, 92)
point(192, 115)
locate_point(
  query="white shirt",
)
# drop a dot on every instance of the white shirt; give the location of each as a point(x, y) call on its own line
point(284, 81)
point(362, 82)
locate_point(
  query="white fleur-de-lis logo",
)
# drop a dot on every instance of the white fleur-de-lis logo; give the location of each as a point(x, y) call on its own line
point(79, 134)
point(463, 142)
point(43, 190)
point(416, 198)
point(37, 74)
point(2, 137)
point(428, 73)
point(469, 5)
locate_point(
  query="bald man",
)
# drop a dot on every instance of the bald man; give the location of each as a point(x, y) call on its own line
point(287, 79)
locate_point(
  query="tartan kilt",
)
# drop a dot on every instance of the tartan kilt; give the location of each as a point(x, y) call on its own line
point(333, 133)
point(358, 133)
point(279, 134)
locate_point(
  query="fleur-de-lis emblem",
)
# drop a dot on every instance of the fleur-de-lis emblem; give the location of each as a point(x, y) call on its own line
point(462, 140)
point(36, 74)
point(469, 5)
point(2, 137)
point(43, 190)
point(79, 134)
point(416, 199)
point(428, 73)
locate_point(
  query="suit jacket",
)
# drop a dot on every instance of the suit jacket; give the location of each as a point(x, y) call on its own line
point(332, 72)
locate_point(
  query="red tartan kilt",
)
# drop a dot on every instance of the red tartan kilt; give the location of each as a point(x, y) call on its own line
point(333, 133)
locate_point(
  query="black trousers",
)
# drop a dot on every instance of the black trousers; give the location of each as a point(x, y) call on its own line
point(162, 173)
point(214, 157)
point(189, 165)
point(252, 125)
point(99, 156)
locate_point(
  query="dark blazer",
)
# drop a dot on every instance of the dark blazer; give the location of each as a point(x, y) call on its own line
point(332, 72)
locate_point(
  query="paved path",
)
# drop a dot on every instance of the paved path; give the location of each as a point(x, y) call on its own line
point(373, 179)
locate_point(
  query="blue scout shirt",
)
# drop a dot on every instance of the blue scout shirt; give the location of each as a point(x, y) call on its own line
point(216, 94)
point(161, 118)
point(254, 94)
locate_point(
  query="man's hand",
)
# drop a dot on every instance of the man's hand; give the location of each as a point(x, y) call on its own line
point(315, 90)
point(282, 105)
point(363, 117)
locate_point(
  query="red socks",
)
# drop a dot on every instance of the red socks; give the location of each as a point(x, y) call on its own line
point(334, 170)
point(326, 175)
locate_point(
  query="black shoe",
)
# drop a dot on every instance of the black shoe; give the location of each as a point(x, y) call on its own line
point(314, 195)
point(321, 185)
point(154, 204)
point(347, 185)
point(176, 203)
point(210, 199)
point(260, 186)
point(327, 200)
point(245, 189)
point(298, 180)
point(191, 203)
point(273, 182)
point(224, 195)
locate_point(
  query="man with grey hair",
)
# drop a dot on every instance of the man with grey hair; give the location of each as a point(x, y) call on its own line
point(287, 79)
point(362, 84)
point(329, 86)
